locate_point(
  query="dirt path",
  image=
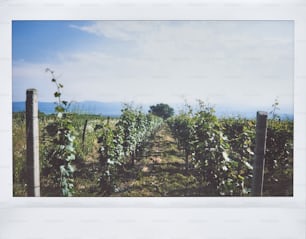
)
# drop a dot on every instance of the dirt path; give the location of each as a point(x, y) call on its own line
point(159, 171)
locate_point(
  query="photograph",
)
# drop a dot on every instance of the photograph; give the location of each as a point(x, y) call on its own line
point(152, 108)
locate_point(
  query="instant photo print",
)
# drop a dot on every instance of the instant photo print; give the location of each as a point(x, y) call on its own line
point(153, 120)
point(140, 108)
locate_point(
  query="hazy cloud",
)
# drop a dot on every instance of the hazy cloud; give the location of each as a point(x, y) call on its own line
point(241, 63)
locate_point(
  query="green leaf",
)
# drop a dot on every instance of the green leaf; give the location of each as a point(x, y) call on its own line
point(250, 151)
point(69, 148)
point(70, 137)
point(59, 109)
point(225, 156)
point(57, 94)
point(60, 85)
point(71, 170)
point(249, 166)
point(60, 115)
point(70, 157)
point(62, 169)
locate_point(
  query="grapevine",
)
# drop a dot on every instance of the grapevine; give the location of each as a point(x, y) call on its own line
point(61, 152)
point(120, 144)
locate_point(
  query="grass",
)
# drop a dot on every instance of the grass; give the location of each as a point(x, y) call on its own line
point(161, 172)
point(19, 157)
point(86, 153)
point(159, 169)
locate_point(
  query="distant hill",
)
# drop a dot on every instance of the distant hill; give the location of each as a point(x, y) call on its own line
point(114, 109)
point(45, 107)
point(98, 108)
point(92, 107)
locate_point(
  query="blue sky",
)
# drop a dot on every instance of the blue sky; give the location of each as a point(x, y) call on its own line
point(244, 64)
point(34, 41)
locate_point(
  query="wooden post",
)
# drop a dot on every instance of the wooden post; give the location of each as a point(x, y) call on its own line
point(260, 149)
point(32, 132)
point(84, 133)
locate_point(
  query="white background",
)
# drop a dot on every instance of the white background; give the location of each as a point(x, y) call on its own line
point(177, 218)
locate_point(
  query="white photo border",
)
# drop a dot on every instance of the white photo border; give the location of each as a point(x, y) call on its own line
point(211, 212)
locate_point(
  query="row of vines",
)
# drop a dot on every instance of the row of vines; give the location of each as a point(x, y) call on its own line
point(221, 152)
point(121, 143)
point(218, 152)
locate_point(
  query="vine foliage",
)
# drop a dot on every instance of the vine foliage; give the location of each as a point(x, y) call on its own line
point(61, 151)
point(120, 144)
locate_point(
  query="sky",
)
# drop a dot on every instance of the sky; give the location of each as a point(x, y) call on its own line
point(238, 64)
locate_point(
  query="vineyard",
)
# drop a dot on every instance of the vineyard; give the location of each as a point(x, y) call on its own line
point(154, 153)
point(193, 153)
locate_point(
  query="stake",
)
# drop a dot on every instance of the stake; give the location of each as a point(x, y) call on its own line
point(260, 149)
point(84, 133)
point(32, 143)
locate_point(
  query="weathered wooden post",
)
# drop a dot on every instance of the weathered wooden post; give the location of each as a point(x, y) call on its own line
point(260, 148)
point(84, 133)
point(32, 132)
